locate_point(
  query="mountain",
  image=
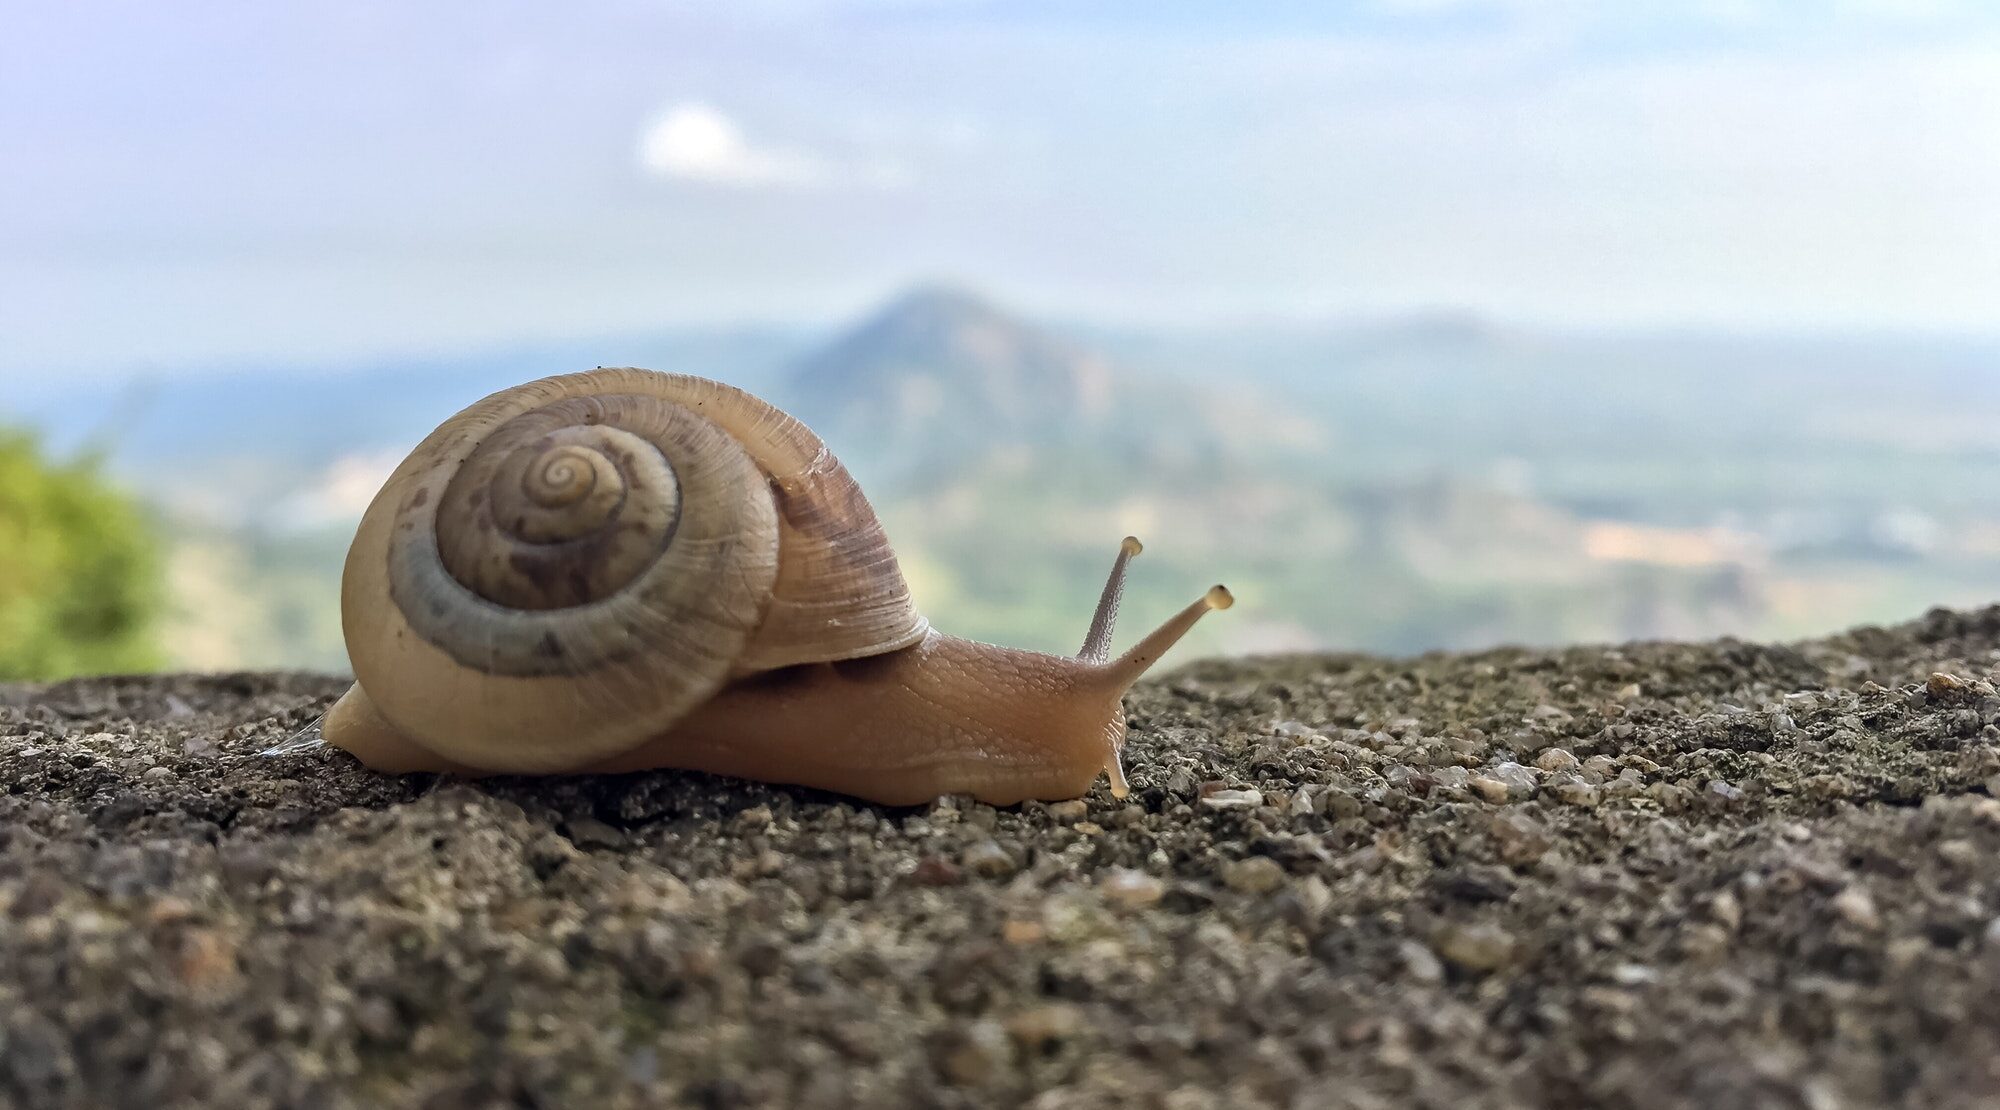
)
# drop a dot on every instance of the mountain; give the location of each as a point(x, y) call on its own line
point(936, 351)
point(941, 381)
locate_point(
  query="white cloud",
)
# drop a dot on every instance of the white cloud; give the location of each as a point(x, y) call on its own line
point(339, 494)
point(695, 142)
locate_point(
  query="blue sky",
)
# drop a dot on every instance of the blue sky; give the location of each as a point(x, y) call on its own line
point(192, 182)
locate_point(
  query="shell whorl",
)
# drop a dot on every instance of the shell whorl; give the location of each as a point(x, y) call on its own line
point(566, 568)
point(553, 546)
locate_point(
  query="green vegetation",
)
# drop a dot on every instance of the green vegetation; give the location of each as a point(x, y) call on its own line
point(79, 579)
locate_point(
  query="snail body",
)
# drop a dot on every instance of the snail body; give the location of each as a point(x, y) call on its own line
point(623, 570)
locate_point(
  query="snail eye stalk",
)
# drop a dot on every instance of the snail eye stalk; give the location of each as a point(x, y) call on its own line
point(1097, 643)
point(1126, 669)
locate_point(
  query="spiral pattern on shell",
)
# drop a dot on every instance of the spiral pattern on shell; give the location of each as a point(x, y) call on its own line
point(556, 545)
point(559, 522)
point(565, 568)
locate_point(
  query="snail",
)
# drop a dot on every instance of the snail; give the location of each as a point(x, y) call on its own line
point(622, 570)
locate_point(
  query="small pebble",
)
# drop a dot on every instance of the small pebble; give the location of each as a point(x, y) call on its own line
point(1233, 799)
point(1132, 890)
point(1520, 838)
point(1633, 975)
point(1421, 963)
point(1958, 853)
point(1035, 1030)
point(1557, 761)
point(1256, 875)
point(936, 871)
point(642, 1065)
point(166, 911)
point(987, 859)
point(1704, 942)
point(1856, 907)
point(1669, 796)
point(1478, 948)
point(1628, 784)
point(1520, 780)
point(1070, 811)
point(1826, 787)
point(589, 832)
point(761, 958)
point(1492, 790)
point(1726, 910)
point(376, 1019)
point(158, 773)
point(1016, 931)
point(206, 958)
point(1306, 903)
point(1943, 685)
point(1578, 794)
point(974, 1055)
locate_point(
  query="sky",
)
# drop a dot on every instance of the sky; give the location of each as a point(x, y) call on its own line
point(193, 183)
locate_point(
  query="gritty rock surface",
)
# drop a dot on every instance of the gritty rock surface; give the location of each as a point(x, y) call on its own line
point(1656, 875)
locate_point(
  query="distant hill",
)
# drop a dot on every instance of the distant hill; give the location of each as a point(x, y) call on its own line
point(941, 381)
point(933, 352)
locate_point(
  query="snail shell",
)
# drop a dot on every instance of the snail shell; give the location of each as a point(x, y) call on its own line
point(566, 568)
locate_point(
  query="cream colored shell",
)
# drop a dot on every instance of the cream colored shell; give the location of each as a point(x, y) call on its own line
point(567, 568)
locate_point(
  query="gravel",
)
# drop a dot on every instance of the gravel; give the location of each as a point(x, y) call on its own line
point(1723, 874)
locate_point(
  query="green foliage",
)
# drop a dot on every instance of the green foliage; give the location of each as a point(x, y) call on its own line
point(80, 583)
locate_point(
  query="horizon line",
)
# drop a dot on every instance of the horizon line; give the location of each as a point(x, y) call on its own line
point(1070, 325)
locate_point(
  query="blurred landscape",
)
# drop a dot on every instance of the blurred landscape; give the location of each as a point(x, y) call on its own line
point(1394, 485)
point(1419, 323)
